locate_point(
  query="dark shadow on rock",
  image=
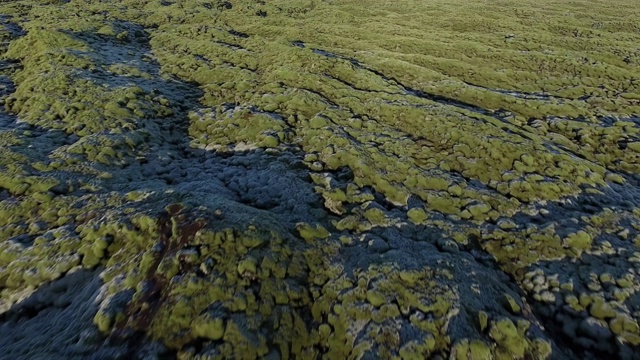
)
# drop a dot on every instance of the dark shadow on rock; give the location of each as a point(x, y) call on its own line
point(56, 322)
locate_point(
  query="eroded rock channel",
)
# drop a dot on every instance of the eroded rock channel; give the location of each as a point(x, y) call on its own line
point(319, 179)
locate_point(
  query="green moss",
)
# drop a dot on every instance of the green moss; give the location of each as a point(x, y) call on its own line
point(247, 267)
point(511, 304)
point(483, 319)
point(623, 323)
point(536, 127)
point(375, 299)
point(479, 210)
point(347, 223)
point(311, 233)
point(417, 215)
point(374, 215)
point(509, 339)
point(635, 146)
point(579, 241)
point(204, 327)
point(103, 321)
point(445, 205)
point(541, 349)
point(616, 178)
point(474, 349)
point(270, 141)
point(602, 310)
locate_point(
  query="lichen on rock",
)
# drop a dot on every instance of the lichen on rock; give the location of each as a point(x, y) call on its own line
point(320, 179)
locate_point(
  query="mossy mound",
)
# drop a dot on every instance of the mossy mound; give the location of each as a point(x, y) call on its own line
point(325, 179)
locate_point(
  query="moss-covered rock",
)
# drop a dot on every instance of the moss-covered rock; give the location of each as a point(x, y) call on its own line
point(516, 137)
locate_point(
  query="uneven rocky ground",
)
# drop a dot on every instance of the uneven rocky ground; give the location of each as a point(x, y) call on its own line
point(206, 179)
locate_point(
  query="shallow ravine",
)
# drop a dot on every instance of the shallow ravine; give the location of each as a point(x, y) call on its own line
point(319, 179)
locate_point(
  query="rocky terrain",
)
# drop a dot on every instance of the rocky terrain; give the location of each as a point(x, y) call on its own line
point(319, 179)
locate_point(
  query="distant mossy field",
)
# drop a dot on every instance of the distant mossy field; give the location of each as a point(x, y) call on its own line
point(320, 179)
